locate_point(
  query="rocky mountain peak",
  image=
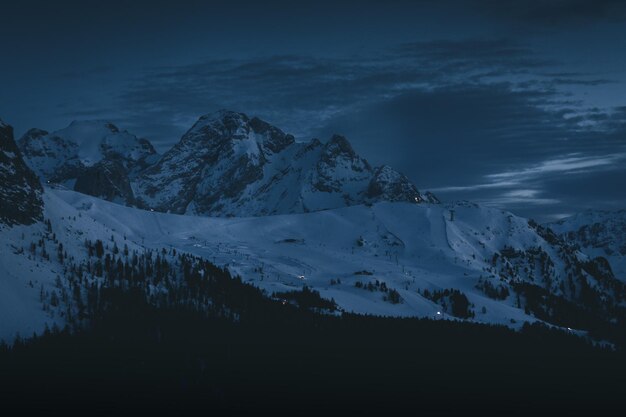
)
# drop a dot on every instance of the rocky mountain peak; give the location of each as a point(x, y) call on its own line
point(226, 164)
point(339, 152)
point(229, 164)
point(20, 190)
point(390, 185)
point(274, 139)
point(339, 145)
point(222, 122)
point(225, 126)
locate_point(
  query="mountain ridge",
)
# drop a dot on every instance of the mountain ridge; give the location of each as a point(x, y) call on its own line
point(226, 164)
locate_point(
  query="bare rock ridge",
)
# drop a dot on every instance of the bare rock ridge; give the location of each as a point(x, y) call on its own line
point(20, 190)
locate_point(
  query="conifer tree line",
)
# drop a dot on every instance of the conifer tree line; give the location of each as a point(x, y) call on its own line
point(111, 278)
point(173, 326)
point(110, 271)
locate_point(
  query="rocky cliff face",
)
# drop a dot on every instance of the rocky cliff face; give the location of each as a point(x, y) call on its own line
point(213, 163)
point(388, 184)
point(597, 234)
point(228, 164)
point(107, 180)
point(20, 190)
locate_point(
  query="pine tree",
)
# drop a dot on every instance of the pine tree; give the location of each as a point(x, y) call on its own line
point(99, 248)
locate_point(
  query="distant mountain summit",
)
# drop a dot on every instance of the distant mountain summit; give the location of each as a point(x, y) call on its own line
point(20, 190)
point(597, 233)
point(229, 164)
point(92, 157)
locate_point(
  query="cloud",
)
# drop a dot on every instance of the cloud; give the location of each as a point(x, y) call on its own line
point(303, 94)
point(544, 189)
point(568, 164)
point(486, 120)
point(455, 56)
point(474, 129)
point(565, 165)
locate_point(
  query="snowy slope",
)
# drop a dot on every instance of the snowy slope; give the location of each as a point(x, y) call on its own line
point(598, 233)
point(407, 246)
point(356, 255)
point(29, 264)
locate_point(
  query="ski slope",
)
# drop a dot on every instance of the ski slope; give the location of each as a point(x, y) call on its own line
point(408, 247)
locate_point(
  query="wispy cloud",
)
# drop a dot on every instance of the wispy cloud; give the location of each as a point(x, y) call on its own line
point(529, 185)
point(567, 164)
point(303, 94)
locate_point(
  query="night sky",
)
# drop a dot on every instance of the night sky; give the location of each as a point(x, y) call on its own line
point(521, 105)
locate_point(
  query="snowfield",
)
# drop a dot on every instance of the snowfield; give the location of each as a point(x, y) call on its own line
point(408, 247)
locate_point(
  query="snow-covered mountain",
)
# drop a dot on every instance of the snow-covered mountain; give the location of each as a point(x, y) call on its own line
point(598, 233)
point(396, 259)
point(20, 190)
point(228, 164)
point(93, 157)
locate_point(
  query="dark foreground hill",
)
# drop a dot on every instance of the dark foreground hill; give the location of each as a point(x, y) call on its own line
point(250, 354)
